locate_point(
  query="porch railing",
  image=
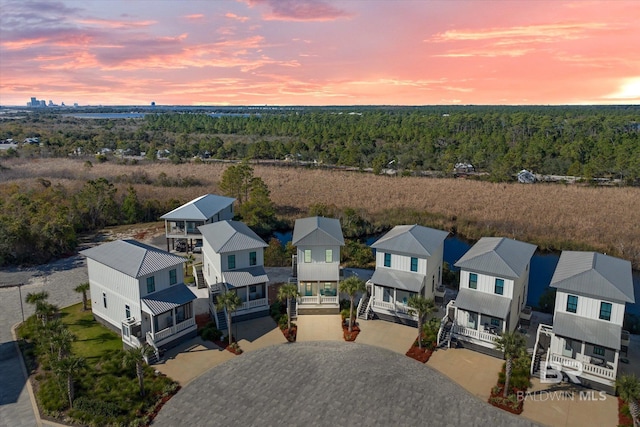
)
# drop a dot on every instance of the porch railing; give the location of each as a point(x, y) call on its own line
point(253, 304)
point(576, 365)
point(317, 299)
point(474, 333)
point(166, 333)
point(391, 306)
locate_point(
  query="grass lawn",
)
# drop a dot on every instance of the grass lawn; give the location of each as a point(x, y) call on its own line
point(94, 339)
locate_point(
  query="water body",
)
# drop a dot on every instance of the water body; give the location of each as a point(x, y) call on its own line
point(542, 267)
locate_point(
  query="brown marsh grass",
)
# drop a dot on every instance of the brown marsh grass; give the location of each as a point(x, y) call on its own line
point(553, 216)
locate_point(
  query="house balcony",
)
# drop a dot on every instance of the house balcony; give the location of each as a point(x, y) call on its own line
point(318, 300)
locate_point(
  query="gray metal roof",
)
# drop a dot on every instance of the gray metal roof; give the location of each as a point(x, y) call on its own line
point(398, 279)
point(317, 231)
point(167, 299)
point(498, 256)
point(411, 240)
point(246, 276)
point(132, 258)
point(231, 236)
point(483, 303)
point(598, 332)
point(201, 208)
point(595, 275)
point(318, 272)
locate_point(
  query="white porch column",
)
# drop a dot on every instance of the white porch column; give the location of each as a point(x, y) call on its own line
point(173, 317)
point(616, 356)
point(582, 351)
point(395, 300)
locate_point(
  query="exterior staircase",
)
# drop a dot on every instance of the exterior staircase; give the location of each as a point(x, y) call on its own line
point(444, 335)
point(364, 307)
point(200, 283)
point(221, 320)
point(537, 359)
point(294, 308)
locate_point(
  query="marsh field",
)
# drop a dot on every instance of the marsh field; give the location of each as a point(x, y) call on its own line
point(553, 216)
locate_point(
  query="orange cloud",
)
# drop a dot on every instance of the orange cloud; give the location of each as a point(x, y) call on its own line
point(194, 17)
point(236, 17)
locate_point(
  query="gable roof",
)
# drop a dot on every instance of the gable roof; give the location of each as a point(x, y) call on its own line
point(411, 240)
point(230, 236)
point(317, 231)
point(398, 279)
point(132, 258)
point(201, 208)
point(498, 256)
point(595, 275)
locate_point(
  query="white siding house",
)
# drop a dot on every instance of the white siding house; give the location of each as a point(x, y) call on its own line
point(233, 261)
point(137, 290)
point(318, 241)
point(408, 262)
point(592, 290)
point(494, 280)
point(183, 221)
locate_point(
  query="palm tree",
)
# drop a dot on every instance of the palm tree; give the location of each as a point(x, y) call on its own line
point(512, 344)
point(61, 342)
point(231, 301)
point(351, 286)
point(136, 357)
point(287, 292)
point(421, 307)
point(628, 387)
point(68, 367)
point(83, 288)
point(37, 299)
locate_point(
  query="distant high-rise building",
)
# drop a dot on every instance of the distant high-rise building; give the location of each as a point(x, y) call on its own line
point(153, 103)
point(34, 102)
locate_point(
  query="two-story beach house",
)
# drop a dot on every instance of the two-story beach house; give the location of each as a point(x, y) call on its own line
point(586, 337)
point(183, 221)
point(494, 280)
point(408, 262)
point(137, 290)
point(318, 241)
point(233, 261)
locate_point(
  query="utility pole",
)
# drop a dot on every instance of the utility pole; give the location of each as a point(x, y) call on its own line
point(20, 293)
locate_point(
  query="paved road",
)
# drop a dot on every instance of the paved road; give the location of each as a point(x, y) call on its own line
point(58, 279)
point(327, 384)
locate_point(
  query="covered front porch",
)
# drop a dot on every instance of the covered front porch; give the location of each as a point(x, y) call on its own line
point(391, 291)
point(589, 346)
point(480, 317)
point(167, 316)
point(318, 294)
point(250, 284)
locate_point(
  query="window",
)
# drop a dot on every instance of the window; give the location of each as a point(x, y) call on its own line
point(253, 258)
point(231, 262)
point(387, 260)
point(598, 351)
point(605, 311)
point(473, 281)
point(499, 288)
point(173, 277)
point(127, 312)
point(328, 255)
point(104, 300)
point(151, 284)
point(495, 322)
point(307, 255)
point(572, 303)
point(414, 264)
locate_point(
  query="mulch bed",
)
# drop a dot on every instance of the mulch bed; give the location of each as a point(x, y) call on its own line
point(624, 419)
point(202, 320)
point(420, 354)
point(290, 334)
point(225, 345)
point(350, 336)
point(497, 400)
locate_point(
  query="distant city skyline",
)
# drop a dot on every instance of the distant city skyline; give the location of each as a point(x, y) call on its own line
point(320, 52)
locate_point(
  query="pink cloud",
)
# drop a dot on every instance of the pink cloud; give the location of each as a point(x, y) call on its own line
point(236, 17)
point(194, 17)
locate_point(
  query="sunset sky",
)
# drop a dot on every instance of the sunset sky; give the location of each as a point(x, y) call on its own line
point(320, 52)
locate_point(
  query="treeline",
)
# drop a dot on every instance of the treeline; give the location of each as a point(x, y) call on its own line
point(590, 142)
point(42, 223)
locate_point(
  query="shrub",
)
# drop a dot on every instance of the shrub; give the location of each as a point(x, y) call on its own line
point(283, 321)
point(210, 332)
point(52, 395)
point(276, 310)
